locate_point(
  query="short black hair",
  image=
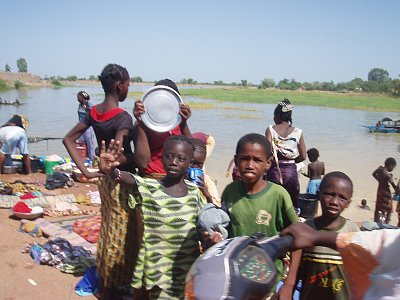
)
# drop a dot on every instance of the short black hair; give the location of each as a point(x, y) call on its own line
point(111, 74)
point(174, 139)
point(284, 115)
point(254, 138)
point(313, 152)
point(199, 145)
point(85, 95)
point(169, 83)
point(390, 161)
point(335, 174)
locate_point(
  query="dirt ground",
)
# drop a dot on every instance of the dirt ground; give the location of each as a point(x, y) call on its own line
point(21, 277)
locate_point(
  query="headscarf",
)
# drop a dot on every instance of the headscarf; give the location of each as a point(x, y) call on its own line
point(20, 121)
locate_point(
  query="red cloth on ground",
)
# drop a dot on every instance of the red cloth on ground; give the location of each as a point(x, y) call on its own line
point(27, 196)
point(22, 207)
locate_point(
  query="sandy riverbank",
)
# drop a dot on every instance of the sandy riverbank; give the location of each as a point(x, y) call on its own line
point(18, 269)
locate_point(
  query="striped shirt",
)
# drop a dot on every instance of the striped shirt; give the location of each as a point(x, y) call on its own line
point(321, 269)
point(170, 241)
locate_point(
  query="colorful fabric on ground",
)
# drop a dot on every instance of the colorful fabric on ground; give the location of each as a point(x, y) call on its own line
point(9, 201)
point(170, 241)
point(120, 234)
point(60, 254)
point(32, 228)
point(51, 230)
point(89, 284)
point(89, 229)
point(268, 211)
point(321, 270)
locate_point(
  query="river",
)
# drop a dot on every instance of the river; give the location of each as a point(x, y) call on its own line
point(337, 133)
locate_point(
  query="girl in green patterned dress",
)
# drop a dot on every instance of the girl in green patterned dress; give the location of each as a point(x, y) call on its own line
point(170, 207)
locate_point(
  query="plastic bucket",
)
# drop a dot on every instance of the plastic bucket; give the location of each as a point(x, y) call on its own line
point(35, 164)
point(49, 165)
point(308, 204)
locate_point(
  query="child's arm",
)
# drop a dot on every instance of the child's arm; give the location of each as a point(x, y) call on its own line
point(228, 171)
point(142, 153)
point(308, 171)
point(109, 162)
point(323, 168)
point(375, 174)
point(394, 186)
point(302, 150)
point(185, 112)
point(287, 290)
point(69, 143)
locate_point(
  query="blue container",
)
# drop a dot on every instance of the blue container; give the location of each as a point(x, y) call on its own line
point(194, 174)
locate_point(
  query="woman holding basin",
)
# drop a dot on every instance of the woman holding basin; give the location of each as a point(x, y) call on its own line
point(157, 119)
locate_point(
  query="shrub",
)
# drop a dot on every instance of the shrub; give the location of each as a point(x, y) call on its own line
point(56, 83)
point(18, 84)
point(3, 85)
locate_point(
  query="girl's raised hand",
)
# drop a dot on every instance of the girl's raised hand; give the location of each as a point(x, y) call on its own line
point(184, 111)
point(138, 110)
point(109, 156)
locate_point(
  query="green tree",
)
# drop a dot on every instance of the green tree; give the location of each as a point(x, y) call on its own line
point(136, 79)
point(8, 68)
point(22, 65)
point(72, 78)
point(379, 75)
point(243, 82)
point(191, 81)
point(267, 83)
point(218, 82)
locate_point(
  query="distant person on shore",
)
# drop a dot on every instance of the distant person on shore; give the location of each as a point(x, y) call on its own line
point(235, 172)
point(115, 262)
point(315, 171)
point(364, 205)
point(150, 163)
point(383, 208)
point(330, 283)
point(288, 148)
point(88, 136)
point(13, 136)
point(397, 198)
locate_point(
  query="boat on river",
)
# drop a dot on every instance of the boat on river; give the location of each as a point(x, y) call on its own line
point(386, 125)
point(5, 102)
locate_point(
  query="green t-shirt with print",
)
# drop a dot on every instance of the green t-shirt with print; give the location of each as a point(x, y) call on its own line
point(269, 211)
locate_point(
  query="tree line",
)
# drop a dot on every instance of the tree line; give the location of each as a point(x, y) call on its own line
point(379, 81)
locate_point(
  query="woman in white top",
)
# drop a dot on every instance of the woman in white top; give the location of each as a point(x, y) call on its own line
point(288, 148)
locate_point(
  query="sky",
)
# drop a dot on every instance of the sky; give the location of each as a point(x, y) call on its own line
point(231, 41)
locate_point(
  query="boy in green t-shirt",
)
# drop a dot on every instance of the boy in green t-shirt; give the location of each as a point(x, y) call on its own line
point(253, 204)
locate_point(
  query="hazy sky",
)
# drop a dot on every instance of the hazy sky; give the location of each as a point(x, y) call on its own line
point(206, 40)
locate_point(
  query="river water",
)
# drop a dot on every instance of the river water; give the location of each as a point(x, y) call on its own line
point(337, 133)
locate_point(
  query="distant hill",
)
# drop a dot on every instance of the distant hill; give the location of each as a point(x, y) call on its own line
point(26, 78)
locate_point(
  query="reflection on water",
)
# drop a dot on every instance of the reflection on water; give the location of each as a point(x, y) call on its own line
point(337, 133)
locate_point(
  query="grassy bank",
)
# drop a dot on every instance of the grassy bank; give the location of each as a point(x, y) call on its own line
point(360, 101)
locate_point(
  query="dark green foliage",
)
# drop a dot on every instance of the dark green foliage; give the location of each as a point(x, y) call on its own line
point(22, 65)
